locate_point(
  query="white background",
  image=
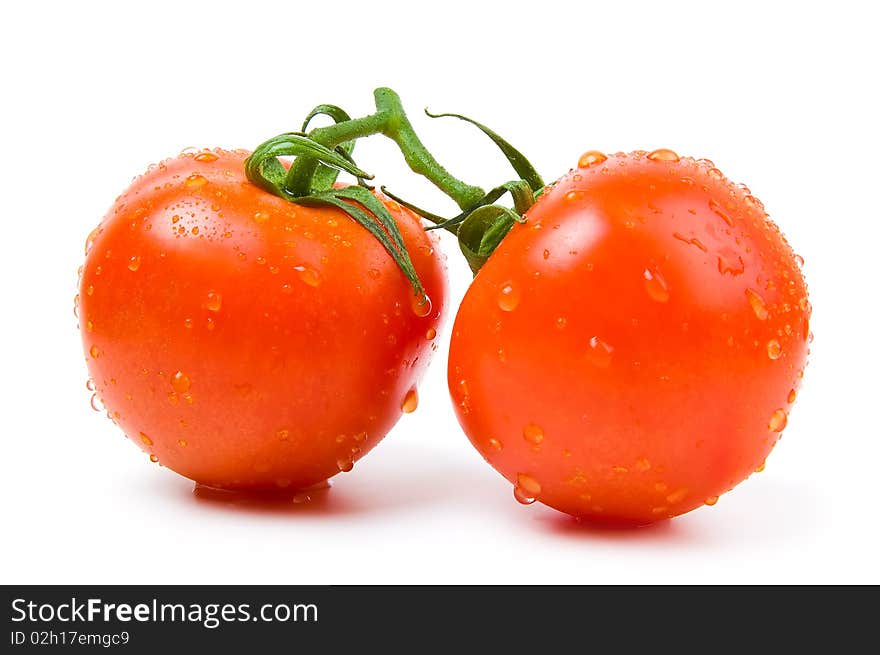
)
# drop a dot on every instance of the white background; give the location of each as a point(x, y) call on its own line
point(781, 96)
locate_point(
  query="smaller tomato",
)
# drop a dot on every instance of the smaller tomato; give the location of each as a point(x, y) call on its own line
point(245, 341)
point(632, 351)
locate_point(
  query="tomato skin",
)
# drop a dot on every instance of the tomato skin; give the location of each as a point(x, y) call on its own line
point(244, 341)
point(632, 350)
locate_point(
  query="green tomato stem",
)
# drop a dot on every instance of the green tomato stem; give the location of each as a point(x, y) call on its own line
point(390, 119)
point(322, 153)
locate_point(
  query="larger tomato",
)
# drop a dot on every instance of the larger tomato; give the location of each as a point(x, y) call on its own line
point(245, 341)
point(632, 350)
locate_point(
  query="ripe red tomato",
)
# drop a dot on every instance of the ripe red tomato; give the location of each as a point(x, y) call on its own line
point(245, 341)
point(632, 350)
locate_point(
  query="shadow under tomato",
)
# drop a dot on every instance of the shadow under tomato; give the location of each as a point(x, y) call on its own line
point(314, 499)
point(385, 482)
point(763, 512)
point(568, 526)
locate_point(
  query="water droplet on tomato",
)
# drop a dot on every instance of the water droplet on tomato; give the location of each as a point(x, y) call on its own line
point(308, 275)
point(778, 420)
point(213, 301)
point(344, 464)
point(420, 305)
point(182, 443)
point(600, 353)
point(76, 306)
point(94, 352)
point(508, 297)
point(655, 285)
point(410, 401)
point(730, 263)
point(663, 154)
point(528, 484)
point(283, 434)
point(716, 208)
point(774, 350)
point(752, 201)
point(495, 445)
point(792, 395)
point(90, 240)
point(206, 157)
point(693, 241)
point(261, 217)
point(154, 459)
point(527, 489)
point(715, 174)
point(95, 402)
point(188, 323)
point(573, 195)
point(134, 263)
point(533, 433)
point(676, 496)
point(180, 382)
point(761, 467)
point(758, 304)
point(643, 464)
point(591, 157)
point(430, 334)
point(711, 500)
point(145, 439)
point(90, 384)
point(195, 181)
point(300, 497)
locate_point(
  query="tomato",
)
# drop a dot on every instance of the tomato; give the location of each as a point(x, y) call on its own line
point(247, 342)
point(632, 350)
